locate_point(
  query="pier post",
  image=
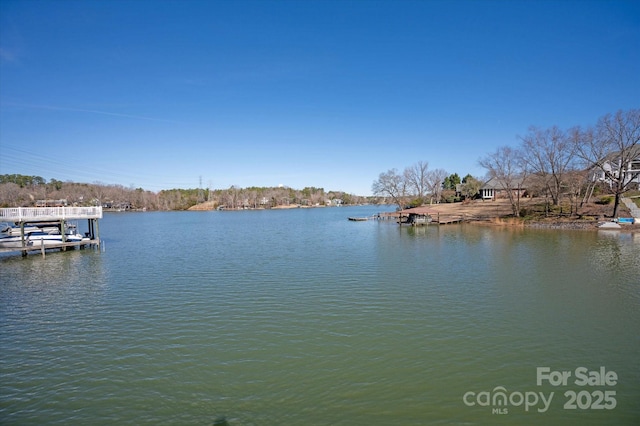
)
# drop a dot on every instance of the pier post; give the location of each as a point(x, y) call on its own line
point(24, 243)
point(97, 236)
point(63, 236)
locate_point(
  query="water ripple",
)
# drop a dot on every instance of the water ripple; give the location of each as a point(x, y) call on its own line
point(301, 317)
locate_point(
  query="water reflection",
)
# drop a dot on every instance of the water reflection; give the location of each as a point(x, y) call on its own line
point(61, 281)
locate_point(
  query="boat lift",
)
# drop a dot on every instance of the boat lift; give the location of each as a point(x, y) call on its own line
point(34, 215)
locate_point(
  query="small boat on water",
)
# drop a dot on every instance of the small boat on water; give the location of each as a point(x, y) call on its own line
point(15, 230)
point(13, 241)
point(38, 239)
point(47, 234)
point(40, 227)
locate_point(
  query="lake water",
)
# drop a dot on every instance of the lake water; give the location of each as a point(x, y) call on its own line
point(301, 317)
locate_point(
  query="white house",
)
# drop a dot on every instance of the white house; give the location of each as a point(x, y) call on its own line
point(613, 166)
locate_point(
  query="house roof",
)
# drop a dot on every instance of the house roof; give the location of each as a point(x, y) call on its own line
point(632, 154)
point(495, 183)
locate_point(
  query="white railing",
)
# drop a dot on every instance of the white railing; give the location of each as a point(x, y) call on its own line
point(40, 214)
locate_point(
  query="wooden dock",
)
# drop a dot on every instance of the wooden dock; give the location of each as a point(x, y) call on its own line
point(62, 247)
point(22, 216)
point(450, 219)
point(421, 216)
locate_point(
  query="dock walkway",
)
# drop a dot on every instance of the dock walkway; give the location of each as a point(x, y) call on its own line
point(422, 216)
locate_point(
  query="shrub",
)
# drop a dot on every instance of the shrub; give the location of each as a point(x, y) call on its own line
point(415, 203)
point(607, 199)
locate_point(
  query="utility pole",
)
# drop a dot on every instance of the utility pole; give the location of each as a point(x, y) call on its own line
point(200, 194)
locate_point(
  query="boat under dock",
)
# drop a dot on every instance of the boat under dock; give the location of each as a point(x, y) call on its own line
point(22, 217)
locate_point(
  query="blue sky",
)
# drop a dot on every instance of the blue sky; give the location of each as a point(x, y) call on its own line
point(160, 94)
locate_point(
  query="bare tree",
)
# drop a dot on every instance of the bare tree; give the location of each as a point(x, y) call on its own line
point(393, 185)
point(578, 137)
point(613, 148)
point(549, 154)
point(232, 197)
point(507, 167)
point(99, 193)
point(317, 196)
point(435, 178)
point(10, 194)
point(417, 179)
point(576, 182)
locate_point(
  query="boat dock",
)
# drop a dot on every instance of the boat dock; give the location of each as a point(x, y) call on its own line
point(417, 217)
point(34, 216)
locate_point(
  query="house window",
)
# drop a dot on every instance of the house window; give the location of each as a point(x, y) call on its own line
point(487, 193)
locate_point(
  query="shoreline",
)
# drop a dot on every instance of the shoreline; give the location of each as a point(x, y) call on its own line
point(499, 213)
point(572, 225)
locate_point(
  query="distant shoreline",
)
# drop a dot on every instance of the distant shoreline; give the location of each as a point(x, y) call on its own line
point(483, 213)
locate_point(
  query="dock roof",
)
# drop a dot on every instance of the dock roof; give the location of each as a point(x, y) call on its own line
point(45, 214)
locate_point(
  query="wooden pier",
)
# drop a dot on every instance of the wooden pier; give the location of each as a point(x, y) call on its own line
point(21, 216)
point(421, 216)
point(62, 246)
point(450, 219)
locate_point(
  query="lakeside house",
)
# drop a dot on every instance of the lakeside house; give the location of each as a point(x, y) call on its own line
point(615, 164)
point(51, 203)
point(117, 205)
point(496, 188)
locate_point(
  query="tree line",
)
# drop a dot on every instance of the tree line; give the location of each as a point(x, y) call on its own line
point(21, 190)
point(553, 163)
point(417, 184)
point(254, 197)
